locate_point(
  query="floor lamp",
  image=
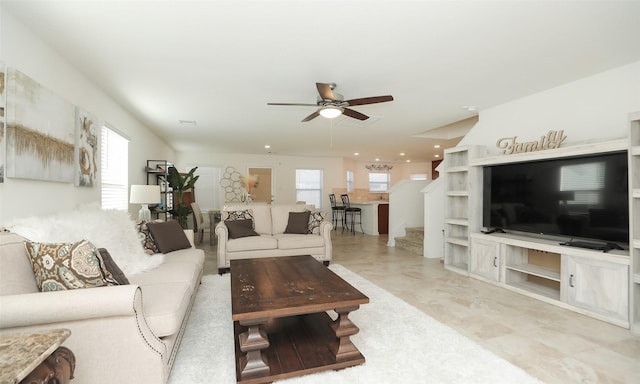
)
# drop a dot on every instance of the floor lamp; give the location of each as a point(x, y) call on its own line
point(145, 195)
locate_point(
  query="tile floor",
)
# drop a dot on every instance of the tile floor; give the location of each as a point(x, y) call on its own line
point(552, 344)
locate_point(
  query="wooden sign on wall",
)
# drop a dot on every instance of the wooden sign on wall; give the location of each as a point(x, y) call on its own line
point(510, 145)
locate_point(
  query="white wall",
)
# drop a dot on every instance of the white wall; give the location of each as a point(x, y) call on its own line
point(22, 50)
point(595, 109)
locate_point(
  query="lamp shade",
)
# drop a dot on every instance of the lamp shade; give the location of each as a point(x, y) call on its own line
point(145, 194)
point(330, 112)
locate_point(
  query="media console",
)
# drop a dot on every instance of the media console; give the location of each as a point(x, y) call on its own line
point(584, 280)
point(604, 247)
point(571, 276)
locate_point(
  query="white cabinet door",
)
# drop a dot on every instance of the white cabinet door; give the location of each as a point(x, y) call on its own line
point(598, 286)
point(484, 260)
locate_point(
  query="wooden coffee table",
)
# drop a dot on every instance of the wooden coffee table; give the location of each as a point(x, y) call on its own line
point(281, 326)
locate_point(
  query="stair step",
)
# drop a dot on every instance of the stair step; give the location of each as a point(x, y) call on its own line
point(411, 244)
point(415, 232)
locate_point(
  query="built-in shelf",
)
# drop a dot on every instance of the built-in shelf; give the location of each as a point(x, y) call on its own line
point(457, 169)
point(458, 193)
point(455, 221)
point(636, 278)
point(536, 270)
point(537, 289)
point(458, 240)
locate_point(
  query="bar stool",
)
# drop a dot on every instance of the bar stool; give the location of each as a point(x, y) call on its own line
point(337, 211)
point(350, 212)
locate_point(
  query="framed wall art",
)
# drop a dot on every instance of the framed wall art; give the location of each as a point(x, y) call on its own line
point(39, 131)
point(86, 151)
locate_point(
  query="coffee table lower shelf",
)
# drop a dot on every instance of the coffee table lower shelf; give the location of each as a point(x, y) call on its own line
point(298, 345)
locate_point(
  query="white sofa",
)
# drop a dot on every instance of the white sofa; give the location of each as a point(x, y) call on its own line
point(270, 223)
point(121, 333)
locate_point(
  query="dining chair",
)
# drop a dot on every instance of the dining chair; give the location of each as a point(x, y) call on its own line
point(337, 212)
point(202, 222)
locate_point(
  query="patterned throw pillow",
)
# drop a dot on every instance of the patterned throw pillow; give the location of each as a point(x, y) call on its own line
point(315, 218)
point(63, 266)
point(246, 214)
point(145, 237)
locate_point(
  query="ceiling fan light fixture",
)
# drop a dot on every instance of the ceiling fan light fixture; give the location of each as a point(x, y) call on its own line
point(330, 112)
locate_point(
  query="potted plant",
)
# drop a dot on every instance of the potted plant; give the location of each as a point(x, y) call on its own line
point(181, 183)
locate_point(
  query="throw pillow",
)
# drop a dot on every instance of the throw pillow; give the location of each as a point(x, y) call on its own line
point(298, 222)
point(245, 214)
point(145, 238)
point(315, 218)
point(168, 236)
point(240, 228)
point(109, 265)
point(63, 266)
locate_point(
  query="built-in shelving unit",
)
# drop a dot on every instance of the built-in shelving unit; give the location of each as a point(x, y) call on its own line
point(459, 215)
point(603, 285)
point(634, 219)
point(157, 172)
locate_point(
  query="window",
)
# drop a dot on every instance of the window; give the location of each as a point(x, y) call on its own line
point(379, 182)
point(309, 186)
point(349, 181)
point(584, 182)
point(115, 170)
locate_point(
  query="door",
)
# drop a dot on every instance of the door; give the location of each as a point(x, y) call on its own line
point(484, 260)
point(261, 192)
point(598, 286)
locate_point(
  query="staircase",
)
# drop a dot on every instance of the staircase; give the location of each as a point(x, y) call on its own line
point(413, 241)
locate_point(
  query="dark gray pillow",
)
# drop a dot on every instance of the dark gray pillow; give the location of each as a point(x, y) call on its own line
point(298, 223)
point(111, 266)
point(169, 236)
point(240, 228)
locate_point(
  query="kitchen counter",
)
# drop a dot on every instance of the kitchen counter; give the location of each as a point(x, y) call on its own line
point(370, 215)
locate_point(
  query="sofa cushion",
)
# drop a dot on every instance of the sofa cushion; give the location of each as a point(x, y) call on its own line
point(16, 273)
point(280, 215)
point(62, 266)
point(252, 243)
point(146, 239)
point(240, 228)
point(295, 241)
point(112, 267)
point(240, 214)
point(165, 306)
point(315, 219)
point(188, 273)
point(169, 236)
point(298, 222)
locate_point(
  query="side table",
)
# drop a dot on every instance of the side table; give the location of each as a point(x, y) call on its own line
point(34, 358)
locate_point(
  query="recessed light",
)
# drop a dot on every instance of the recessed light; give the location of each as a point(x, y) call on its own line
point(267, 146)
point(377, 159)
point(436, 146)
point(356, 154)
point(187, 122)
point(401, 153)
point(436, 156)
point(408, 161)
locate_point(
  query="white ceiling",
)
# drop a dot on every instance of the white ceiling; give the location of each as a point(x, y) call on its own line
point(220, 62)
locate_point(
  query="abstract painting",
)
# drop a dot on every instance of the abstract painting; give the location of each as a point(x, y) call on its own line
point(2, 118)
point(86, 154)
point(39, 131)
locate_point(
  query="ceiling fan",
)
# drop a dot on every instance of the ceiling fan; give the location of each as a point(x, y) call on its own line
point(331, 104)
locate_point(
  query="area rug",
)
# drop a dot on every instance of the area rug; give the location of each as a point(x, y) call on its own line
point(401, 344)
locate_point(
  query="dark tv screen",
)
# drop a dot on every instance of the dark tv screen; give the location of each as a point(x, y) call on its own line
point(582, 197)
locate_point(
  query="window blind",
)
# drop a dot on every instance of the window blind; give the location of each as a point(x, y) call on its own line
point(115, 170)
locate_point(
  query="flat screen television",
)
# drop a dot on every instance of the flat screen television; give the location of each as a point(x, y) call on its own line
point(585, 198)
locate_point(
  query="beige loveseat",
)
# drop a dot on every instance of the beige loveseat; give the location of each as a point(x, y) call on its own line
point(119, 334)
point(270, 221)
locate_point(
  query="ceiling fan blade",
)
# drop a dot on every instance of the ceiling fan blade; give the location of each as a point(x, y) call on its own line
point(325, 91)
point(294, 104)
point(370, 100)
point(354, 114)
point(311, 116)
